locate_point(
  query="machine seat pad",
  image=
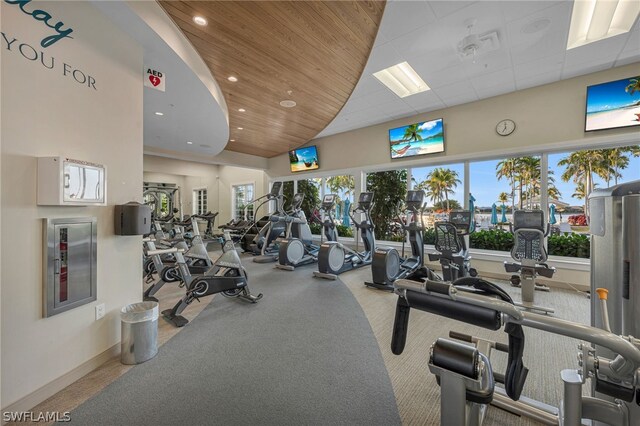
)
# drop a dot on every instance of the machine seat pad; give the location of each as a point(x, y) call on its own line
point(516, 372)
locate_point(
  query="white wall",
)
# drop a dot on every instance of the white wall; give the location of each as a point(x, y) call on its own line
point(48, 113)
point(230, 176)
point(545, 116)
point(217, 179)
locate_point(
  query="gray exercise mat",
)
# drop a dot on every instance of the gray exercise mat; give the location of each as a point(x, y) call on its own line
point(305, 354)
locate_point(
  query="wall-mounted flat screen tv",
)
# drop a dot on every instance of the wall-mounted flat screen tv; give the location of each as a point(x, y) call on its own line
point(417, 139)
point(614, 104)
point(303, 159)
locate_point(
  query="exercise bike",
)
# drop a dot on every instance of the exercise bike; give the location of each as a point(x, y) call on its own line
point(334, 257)
point(297, 248)
point(387, 265)
point(452, 247)
point(227, 276)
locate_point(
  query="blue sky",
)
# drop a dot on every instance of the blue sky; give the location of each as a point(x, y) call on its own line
point(485, 187)
point(610, 96)
point(307, 153)
point(427, 128)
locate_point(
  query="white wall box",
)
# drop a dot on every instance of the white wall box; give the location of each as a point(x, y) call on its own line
point(66, 182)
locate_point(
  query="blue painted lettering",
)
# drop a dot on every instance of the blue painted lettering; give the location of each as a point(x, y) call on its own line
point(44, 17)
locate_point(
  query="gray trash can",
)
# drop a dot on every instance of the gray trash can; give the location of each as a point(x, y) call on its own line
point(139, 326)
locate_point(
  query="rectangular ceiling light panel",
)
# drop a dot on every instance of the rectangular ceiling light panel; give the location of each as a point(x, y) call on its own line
point(594, 20)
point(402, 80)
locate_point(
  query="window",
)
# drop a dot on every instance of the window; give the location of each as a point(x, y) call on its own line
point(579, 172)
point(443, 187)
point(311, 188)
point(199, 201)
point(287, 191)
point(343, 186)
point(242, 195)
point(389, 189)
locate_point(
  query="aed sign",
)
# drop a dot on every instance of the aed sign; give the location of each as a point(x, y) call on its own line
point(154, 79)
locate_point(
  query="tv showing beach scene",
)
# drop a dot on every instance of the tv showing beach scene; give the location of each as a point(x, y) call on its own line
point(303, 159)
point(417, 139)
point(614, 104)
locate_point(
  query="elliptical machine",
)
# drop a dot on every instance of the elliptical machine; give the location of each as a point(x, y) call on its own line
point(335, 258)
point(450, 243)
point(298, 248)
point(387, 265)
point(529, 231)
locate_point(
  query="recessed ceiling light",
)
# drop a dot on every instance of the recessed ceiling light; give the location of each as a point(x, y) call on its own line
point(241, 109)
point(159, 113)
point(595, 20)
point(200, 20)
point(288, 103)
point(232, 78)
point(232, 140)
point(189, 143)
point(402, 80)
point(240, 128)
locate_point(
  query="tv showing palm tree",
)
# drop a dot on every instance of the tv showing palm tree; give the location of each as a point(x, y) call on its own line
point(417, 139)
point(614, 104)
point(303, 159)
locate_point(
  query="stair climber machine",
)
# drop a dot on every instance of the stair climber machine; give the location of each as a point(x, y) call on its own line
point(297, 248)
point(452, 247)
point(227, 276)
point(264, 230)
point(335, 258)
point(387, 265)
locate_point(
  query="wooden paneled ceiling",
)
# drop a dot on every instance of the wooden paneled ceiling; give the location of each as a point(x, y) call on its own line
point(312, 52)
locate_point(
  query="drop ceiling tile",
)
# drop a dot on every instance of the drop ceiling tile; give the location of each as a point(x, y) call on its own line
point(516, 9)
point(444, 8)
point(424, 100)
point(429, 47)
point(382, 56)
point(628, 57)
point(604, 50)
point(487, 63)
point(582, 69)
point(443, 77)
point(559, 17)
point(504, 76)
point(538, 80)
point(633, 41)
point(401, 17)
point(462, 99)
point(462, 88)
point(380, 96)
point(484, 92)
point(541, 66)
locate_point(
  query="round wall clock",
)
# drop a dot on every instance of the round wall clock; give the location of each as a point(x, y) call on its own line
point(505, 127)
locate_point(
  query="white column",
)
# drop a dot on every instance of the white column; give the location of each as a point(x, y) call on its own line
point(544, 188)
point(467, 185)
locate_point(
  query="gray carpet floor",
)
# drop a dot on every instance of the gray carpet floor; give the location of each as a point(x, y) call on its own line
point(305, 354)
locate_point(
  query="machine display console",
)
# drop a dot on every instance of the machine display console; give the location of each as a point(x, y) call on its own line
point(365, 200)
point(329, 200)
point(414, 199)
point(275, 189)
point(461, 219)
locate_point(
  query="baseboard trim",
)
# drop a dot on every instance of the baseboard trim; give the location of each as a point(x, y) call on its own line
point(47, 391)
